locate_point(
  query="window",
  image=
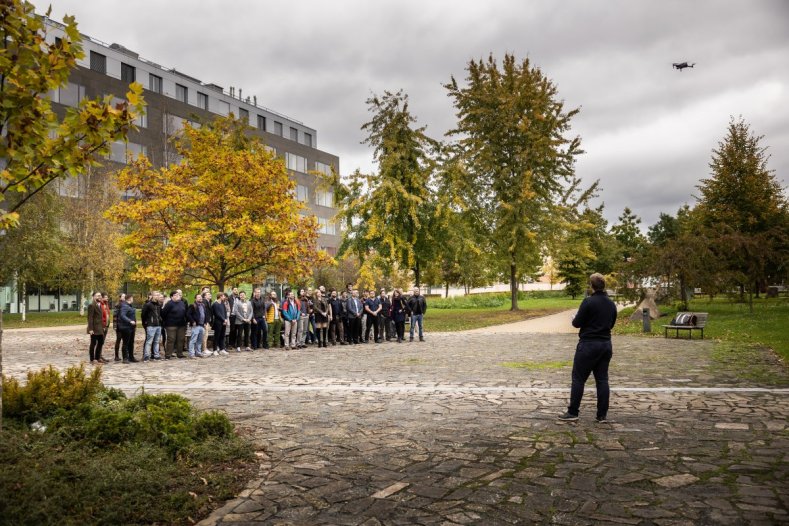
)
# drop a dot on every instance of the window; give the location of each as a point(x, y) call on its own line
point(69, 95)
point(243, 115)
point(98, 62)
point(224, 108)
point(261, 123)
point(173, 124)
point(270, 149)
point(278, 128)
point(181, 93)
point(326, 226)
point(294, 134)
point(296, 162)
point(128, 73)
point(155, 83)
point(308, 139)
point(119, 150)
point(323, 168)
point(202, 100)
point(324, 198)
point(303, 194)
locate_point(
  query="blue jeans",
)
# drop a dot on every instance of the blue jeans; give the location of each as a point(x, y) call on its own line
point(591, 357)
point(414, 319)
point(152, 337)
point(196, 341)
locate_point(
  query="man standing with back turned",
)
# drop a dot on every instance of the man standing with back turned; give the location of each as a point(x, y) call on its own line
point(595, 319)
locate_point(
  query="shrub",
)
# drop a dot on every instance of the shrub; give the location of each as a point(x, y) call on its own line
point(212, 424)
point(48, 391)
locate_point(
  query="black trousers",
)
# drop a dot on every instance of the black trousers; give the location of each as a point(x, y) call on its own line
point(259, 334)
point(591, 357)
point(232, 331)
point(118, 341)
point(400, 329)
point(128, 343)
point(346, 326)
point(372, 323)
point(219, 336)
point(96, 343)
point(242, 333)
point(356, 329)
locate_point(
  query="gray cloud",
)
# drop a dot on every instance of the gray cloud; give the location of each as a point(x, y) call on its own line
point(648, 130)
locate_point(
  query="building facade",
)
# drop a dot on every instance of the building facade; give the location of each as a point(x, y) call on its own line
point(172, 99)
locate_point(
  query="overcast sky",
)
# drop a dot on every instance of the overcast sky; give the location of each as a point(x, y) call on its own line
point(648, 129)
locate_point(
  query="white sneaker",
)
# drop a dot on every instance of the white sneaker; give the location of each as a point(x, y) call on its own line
point(223, 352)
point(238, 349)
point(199, 354)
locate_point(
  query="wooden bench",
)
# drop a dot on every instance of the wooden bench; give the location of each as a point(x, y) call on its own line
point(697, 322)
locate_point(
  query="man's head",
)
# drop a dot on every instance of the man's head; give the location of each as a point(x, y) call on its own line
point(597, 282)
point(221, 297)
point(105, 297)
point(97, 297)
point(242, 295)
point(256, 294)
point(322, 289)
point(198, 298)
point(175, 295)
point(273, 296)
point(235, 291)
point(416, 291)
point(355, 293)
point(130, 298)
point(333, 294)
point(207, 296)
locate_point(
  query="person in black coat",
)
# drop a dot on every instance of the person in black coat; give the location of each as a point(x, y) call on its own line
point(417, 306)
point(220, 323)
point(174, 322)
point(127, 323)
point(399, 313)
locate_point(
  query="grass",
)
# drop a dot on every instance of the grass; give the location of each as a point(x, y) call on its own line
point(767, 326)
point(43, 319)
point(50, 479)
point(484, 310)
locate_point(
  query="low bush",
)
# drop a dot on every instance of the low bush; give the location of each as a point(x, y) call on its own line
point(48, 392)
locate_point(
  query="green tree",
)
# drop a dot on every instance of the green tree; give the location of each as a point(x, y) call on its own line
point(35, 148)
point(627, 232)
point(33, 251)
point(92, 260)
point(391, 212)
point(227, 212)
point(745, 207)
point(511, 131)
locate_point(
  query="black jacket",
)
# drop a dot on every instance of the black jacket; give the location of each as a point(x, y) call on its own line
point(193, 316)
point(595, 317)
point(417, 305)
point(174, 314)
point(259, 307)
point(151, 314)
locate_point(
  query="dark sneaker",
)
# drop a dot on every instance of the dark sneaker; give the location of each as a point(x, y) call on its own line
point(567, 417)
point(602, 420)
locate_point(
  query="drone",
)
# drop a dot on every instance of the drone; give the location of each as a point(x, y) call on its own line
point(682, 65)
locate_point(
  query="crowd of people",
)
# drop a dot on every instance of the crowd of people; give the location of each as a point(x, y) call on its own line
point(232, 322)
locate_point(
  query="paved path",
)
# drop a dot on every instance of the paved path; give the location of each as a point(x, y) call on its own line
point(559, 323)
point(462, 430)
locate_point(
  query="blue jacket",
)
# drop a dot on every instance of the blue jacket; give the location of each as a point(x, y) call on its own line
point(128, 314)
point(290, 310)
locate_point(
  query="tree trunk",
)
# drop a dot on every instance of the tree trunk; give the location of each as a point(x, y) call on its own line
point(23, 306)
point(417, 274)
point(446, 290)
point(513, 287)
point(683, 293)
point(1, 368)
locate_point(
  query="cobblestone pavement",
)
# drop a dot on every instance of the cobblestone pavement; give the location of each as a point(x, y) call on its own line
point(462, 429)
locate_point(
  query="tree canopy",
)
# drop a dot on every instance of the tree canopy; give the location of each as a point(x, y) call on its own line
point(511, 131)
point(228, 212)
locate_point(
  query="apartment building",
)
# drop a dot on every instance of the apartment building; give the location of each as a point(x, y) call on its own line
point(174, 98)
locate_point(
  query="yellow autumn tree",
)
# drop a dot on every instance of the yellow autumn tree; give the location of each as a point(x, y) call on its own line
point(226, 213)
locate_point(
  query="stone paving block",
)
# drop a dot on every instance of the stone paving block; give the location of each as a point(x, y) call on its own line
point(676, 481)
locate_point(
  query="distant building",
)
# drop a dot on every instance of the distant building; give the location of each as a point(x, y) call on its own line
point(172, 99)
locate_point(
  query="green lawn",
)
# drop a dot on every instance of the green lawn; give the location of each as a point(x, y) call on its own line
point(461, 319)
point(43, 319)
point(767, 326)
